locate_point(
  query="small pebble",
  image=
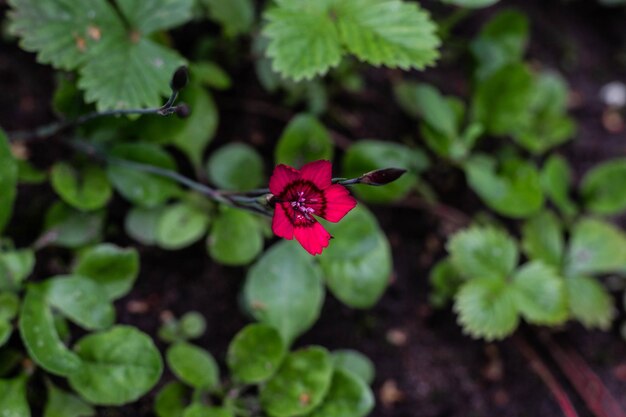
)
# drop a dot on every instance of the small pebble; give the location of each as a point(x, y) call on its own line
point(137, 307)
point(390, 394)
point(612, 121)
point(613, 94)
point(397, 337)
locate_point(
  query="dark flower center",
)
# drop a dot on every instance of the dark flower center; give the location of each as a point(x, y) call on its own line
point(302, 200)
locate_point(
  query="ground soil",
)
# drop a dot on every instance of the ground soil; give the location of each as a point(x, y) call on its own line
point(425, 366)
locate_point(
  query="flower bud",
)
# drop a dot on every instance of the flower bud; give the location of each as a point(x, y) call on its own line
point(381, 176)
point(183, 111)
point(180, 78)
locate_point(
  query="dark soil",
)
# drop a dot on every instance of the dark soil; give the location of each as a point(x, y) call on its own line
point(435, 369)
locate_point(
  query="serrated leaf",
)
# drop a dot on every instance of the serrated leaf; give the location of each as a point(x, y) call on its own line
point(255, 353)
point(118, 366)
point(8, 180)
point(305, 374)
point(483, 252)
point(236, 16)
point(86, 188)
point(393, 33)
point(149, 16)
point(274, 297)
point(602, 188)
point(596, 247)
point(193, 365)
point(304, 140)
point(512, 189)
point(486, 308)
point(589, 302)
point(540, 294)
point(542, 239)
point(445, 281)
point(556, 180)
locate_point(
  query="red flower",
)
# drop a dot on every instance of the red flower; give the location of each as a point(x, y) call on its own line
point(302, 194)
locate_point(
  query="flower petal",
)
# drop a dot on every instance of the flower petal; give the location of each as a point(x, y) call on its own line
point(313, 238)
point(283, 176)
point(318, 172)
point(338, 202)
point(281, 225)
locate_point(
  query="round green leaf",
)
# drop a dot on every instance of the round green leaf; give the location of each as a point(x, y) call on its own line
point(8, 180)
point(355, 363)
point(113, 268)
point(40, 336)
point(368, 155)
point(236, 238)
point(589, 302)
point(284, 289)
point(181, 225)
point(142, 188)
point(349, 396)
point(483, 252)
point(171, 400)
point(193, 365)
point(602, 188)
point(80, 300)
point(199, 410)
point(300, 384)
point(64, 404)
point(141, 224)
point(255, 353)
point(236, 166)
point(118, 366)
point(486, 308)
point(13, 401)
point(86, 188)
point(596, 247)
point(304, 140)
point(540, 294)
point(192, 325)
point(71, 228)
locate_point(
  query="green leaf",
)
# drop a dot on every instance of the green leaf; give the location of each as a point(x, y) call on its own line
point(6, 330)
point(483, 252)
point(13, 401)
point(501, 103)
point(513, 189)
point(255, 353)
point(284, 289)
point(148, 16)
point(40, 335)
point(486, 308)
point(113, 268)
point(71, 228)
point(357, 266)
point(86, 189)
point(368, 155)
point(300, 384)
point(236, 166)
point(556, 180)
point(193, 365)
point(501, 42)
point(445, 281)
point(181, 225)
point(540, 294)
point(199, 410)
point(307, 39)
point(542, 239)
point(304, 140)
point(601, 188)
point(472, 3)
point(8, 180)
point(15, 267)
point(192, 325)
point(596, 247)
point(171, 400)
point(28, 174)
point(304, 40)
point(209, 74)
point(236, 16)
point(64, 404)
point(348, 396)
point(62, 32)
point(9, 305)
point(142, 188)
point(119, 366)
point(393, 33)
point(236, 237)
point(356, 363)
point(80, 300)
point(141, 224)
point(590, 303)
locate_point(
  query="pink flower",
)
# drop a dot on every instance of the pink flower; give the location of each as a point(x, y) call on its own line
point(301, 195)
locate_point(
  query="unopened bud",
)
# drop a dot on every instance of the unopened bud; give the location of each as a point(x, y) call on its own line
point(180, 78)
point(381, 176)
point(183, 111)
